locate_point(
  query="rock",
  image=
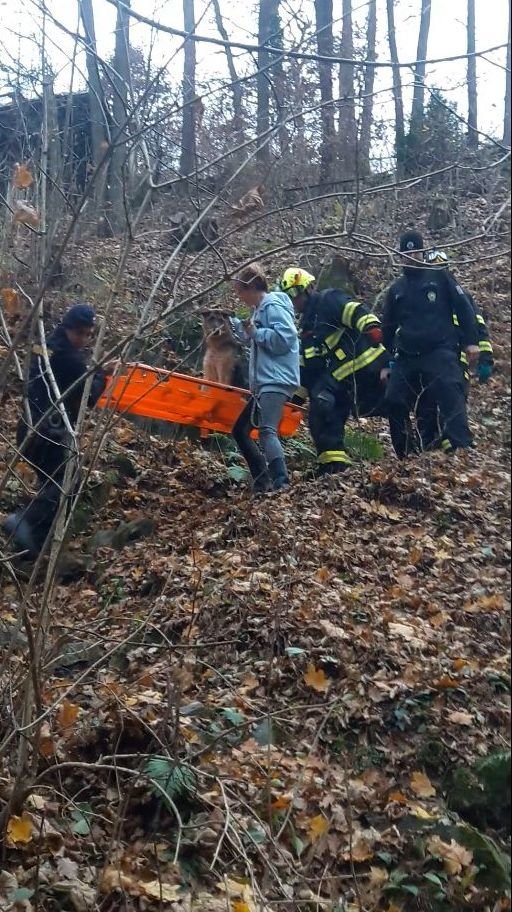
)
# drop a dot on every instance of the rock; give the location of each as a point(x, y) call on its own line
point(339, 274)
point(124, 466)
point(125, 533)
point(495, 869)
point(206, 233)
point(441, 214)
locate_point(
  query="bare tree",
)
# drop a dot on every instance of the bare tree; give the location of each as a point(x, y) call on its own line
point(236, 88)
point(121, 78)
point(97, 105)
point(268, 25)
point(323, 13)
point(418, 98)
point(507, 111)
point(369, 82)
point(188, 133)
point(397, 83)
point(472, 83)
point(348, 126)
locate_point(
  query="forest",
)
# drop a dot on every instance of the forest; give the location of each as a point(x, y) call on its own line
point(212, 701)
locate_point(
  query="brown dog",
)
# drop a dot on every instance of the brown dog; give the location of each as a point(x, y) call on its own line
point(223, 352)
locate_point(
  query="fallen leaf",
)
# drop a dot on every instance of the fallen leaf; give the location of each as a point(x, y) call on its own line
point(26, 215)
point(162, 891)
point(67, 715)
point(20, 829)
point(22, 177)
point(445, 682)
point(361, 852)
point(422, 786)
point(67, 869)
point(378, 877)
point(317, 679)
point(398, 796)
point(318, 827)
point(460, 718)
point(11, 301)
point(421, 813)
point(454, 856)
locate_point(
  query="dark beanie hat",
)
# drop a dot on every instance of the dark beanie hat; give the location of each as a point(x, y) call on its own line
point(411, 240)
point(80, 316)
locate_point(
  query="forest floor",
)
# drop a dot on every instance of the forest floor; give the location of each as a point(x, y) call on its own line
point(284, 703)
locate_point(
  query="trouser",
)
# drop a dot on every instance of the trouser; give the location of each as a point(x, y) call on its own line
point(48, 452)
point(263, 411)
point(428, 418)
point(437, 375)
point(332, 404)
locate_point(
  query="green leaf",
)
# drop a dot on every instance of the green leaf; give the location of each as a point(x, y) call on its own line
point(237, 473)
point(81, 814)
point(292, 651)
point(233, 716)
point(264, 733)
point(433, 878)
point(258, 837)
point(21, 894)
point(173, 779)
point(409, 888)
point(298, 846)
point(385, 857)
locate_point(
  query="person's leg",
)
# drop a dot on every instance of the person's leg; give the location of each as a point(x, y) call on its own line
point(271, 407)
point(328, 414)
point(427, 419)
point(444, 379)
point(399, 398)
point(29, 527)
point(249, 449)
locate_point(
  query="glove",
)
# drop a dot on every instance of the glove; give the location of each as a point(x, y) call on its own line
point(375, 335)
point(484, 371)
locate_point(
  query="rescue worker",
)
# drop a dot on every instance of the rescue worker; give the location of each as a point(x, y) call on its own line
point(343, 364)
point(45, 441)
point(418, 325)
point(427, 413)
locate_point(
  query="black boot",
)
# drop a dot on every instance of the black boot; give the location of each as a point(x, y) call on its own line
point(17, 528)
point(279, 474)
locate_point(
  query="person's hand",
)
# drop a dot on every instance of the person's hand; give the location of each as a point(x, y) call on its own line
point(249, 327)
point(473, 353)
point(385, 374)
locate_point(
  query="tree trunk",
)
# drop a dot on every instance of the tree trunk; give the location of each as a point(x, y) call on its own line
point(121, 80)
point(472, 83)
point(97, 106)
point(268, 29)
point(418, 98)
point(188, 133)
point(397, 86)
point(323, 11)
point(348, 126)
point(507, 111)
point(236, 88)
point(369, 82)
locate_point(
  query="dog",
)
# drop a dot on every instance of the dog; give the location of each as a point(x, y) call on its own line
point(223, 354)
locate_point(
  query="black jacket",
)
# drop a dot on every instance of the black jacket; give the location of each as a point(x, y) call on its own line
point(419, 311)
point(335, 338)
point(69, 367)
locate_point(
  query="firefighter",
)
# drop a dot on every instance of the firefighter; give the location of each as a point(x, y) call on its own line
point(427, 413)
point(343, 364)
point(42, 433)
point(418, 325)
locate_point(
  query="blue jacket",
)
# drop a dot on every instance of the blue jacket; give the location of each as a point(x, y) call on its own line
point(274, 348)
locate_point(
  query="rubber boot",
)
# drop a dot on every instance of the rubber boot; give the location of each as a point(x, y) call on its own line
point(18, 529)
point(261, 482)
point(278, 474)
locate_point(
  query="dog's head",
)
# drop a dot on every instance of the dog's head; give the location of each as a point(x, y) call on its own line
point(216, 326)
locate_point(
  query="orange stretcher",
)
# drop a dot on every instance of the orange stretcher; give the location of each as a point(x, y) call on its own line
point(181, 399)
